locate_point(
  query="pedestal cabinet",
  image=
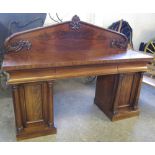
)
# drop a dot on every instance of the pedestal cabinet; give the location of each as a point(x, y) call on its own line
point(117, 95)
point(33, 105)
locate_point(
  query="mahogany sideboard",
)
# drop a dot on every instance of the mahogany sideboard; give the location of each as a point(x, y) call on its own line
point(37, 57)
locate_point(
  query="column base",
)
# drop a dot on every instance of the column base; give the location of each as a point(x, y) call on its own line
point(41, 131)
point(123, 113)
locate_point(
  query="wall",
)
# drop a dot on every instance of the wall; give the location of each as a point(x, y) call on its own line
point(143, 24)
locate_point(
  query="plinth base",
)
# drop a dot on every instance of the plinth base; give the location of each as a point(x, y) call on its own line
point(26, 134)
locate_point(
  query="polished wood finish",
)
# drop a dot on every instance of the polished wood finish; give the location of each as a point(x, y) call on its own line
point(58, 45)
point(25, 60)
point(37, 57)
point(25, 76)
point(17, 109)
point(117, 95)
point(33, 105)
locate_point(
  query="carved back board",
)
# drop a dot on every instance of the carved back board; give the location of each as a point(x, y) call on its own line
point(72, 41)
point(72, 35)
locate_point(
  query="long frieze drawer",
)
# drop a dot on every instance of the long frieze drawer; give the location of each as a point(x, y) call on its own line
point(25, 76)
point(132, 67)
point(85, 71)
point(60, 72)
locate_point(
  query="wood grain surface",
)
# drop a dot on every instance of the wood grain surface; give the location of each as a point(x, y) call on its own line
point(37, 57)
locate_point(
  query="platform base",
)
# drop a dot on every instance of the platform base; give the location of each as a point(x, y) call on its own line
point(26, 134)
point(121, 114)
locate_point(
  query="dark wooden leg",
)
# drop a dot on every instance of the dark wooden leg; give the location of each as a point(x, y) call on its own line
point(33, 106)
point(117, 95)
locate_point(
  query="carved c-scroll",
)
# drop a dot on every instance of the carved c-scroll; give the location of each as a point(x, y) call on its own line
point(18, 46)
point(118, 43)
point(75, 23)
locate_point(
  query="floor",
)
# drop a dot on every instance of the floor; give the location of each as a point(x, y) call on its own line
point(148, 80)
point(78, 119)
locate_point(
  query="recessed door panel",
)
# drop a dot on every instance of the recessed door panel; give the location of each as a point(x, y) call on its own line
point(33, 102)
point(125, 91)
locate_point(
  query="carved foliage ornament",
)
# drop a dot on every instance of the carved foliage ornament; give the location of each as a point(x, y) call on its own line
point(118, 43)
point(75, 23)
point(18, 46)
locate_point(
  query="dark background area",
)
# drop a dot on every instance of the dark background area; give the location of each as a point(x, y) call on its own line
point(16, 22)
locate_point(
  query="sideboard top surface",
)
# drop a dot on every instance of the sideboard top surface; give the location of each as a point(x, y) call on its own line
point(54, 59)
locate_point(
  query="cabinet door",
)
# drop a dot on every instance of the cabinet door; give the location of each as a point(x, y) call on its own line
point(125, 90)
point(33, 103)
point(129, 90)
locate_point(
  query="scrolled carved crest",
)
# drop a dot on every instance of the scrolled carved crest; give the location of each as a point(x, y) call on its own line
point(75, 23)
point(118, 43)
point(19, 45)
